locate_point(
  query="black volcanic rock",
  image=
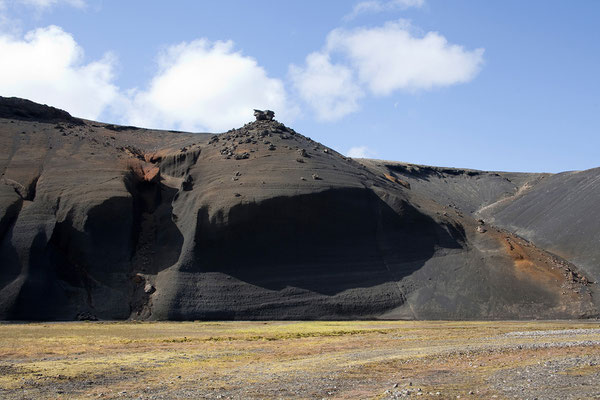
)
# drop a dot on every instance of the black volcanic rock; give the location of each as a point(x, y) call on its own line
point(115, 223)
point(266, 115)
point(22, 109)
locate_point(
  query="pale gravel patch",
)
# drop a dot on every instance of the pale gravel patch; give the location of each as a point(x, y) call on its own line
point(551, 379)
point(560, 332)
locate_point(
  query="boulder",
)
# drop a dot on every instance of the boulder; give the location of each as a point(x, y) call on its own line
point(266, 115)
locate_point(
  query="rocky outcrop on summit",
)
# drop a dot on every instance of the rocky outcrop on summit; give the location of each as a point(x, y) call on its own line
point(258, 222)
point(266, 115)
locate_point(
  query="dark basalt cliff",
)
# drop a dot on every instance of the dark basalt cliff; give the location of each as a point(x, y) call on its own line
point(261, 222)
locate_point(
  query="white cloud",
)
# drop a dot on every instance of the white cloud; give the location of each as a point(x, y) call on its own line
point(9, 20)
point(198, 86)
point(375, 6)
point(47, 66)
point(390, 58)
point(382, 60)
point(360, 152)
point(39, 6)
point(202, 85)
point(45, 4)
point(328, 89)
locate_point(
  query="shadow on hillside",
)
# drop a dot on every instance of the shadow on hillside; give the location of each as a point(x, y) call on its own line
point(324, 242)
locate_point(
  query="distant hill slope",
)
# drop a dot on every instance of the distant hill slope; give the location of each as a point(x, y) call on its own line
point(260, 222)
point(558, 212)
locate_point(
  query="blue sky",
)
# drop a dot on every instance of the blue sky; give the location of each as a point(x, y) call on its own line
point(504, 85)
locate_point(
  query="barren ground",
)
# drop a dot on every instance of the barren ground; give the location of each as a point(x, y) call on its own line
point(241, 360)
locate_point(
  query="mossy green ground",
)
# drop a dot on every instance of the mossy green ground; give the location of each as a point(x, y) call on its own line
point(353, 359)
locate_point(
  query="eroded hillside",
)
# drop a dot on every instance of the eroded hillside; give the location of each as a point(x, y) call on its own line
point(259, 222)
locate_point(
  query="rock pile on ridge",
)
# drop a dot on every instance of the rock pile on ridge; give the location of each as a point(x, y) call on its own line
point(266, 115)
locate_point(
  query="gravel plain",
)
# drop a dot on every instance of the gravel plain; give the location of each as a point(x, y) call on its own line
point(282, 360)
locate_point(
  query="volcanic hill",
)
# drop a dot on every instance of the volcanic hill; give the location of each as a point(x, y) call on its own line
point(116, 222)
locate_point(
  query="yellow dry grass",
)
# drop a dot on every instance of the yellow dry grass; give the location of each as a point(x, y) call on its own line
point(350, 359)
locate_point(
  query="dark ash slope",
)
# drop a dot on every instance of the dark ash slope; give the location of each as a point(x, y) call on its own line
point(259, 223)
